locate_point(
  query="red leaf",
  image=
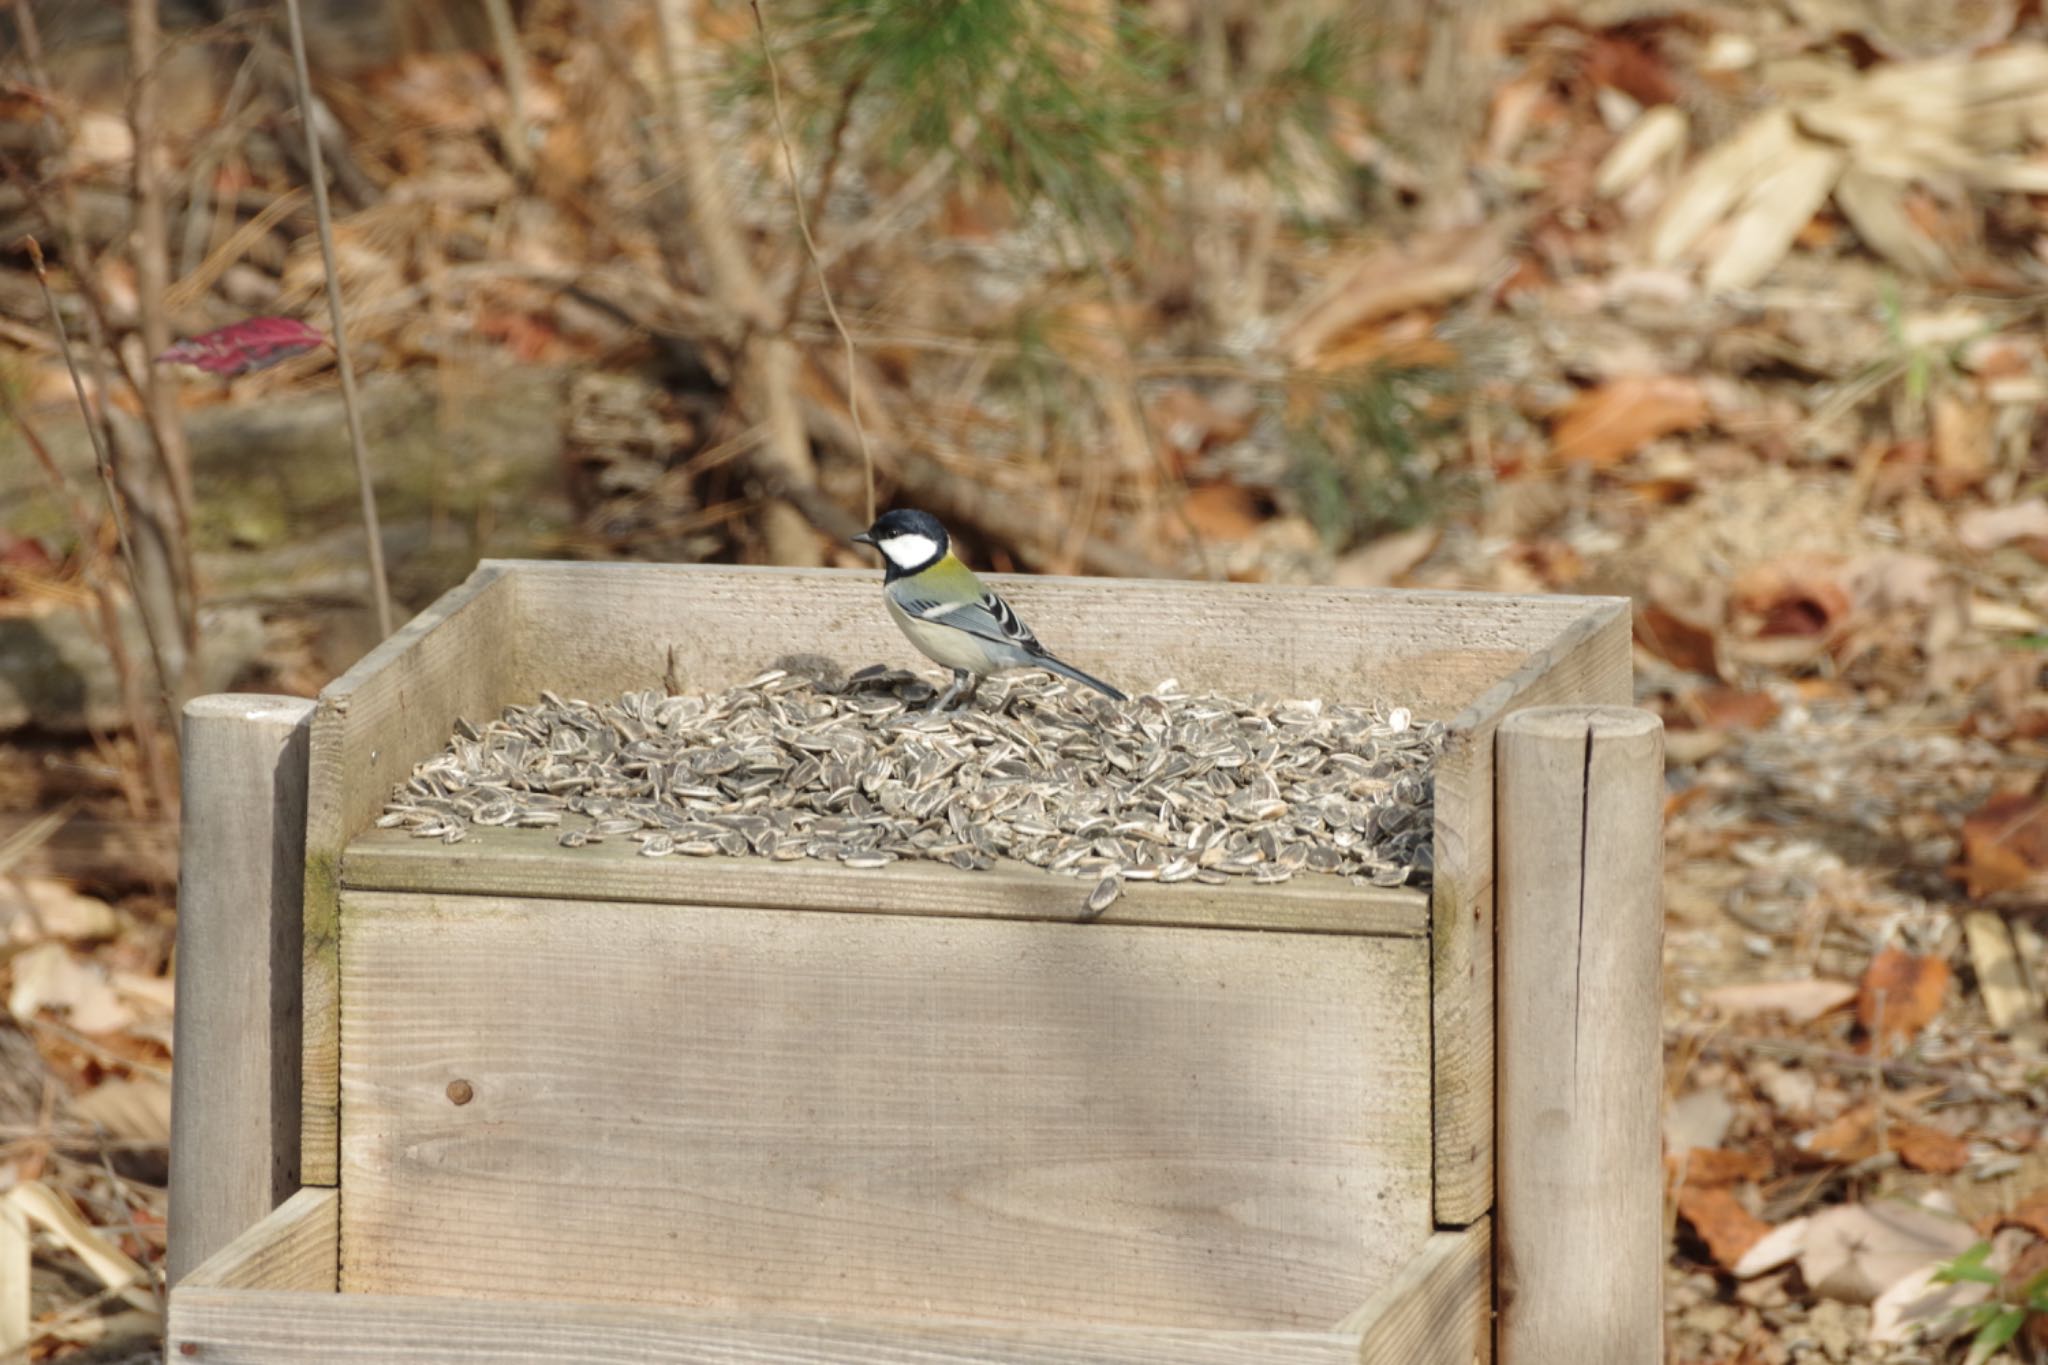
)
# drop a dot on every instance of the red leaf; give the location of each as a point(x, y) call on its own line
point(240, 347)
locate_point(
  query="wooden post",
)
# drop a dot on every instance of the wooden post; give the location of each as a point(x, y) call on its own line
point(241, 876)
point(1580, 1263)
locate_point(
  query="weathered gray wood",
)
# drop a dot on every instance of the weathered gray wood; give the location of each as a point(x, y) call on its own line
point(1587, 661)
point(244, 1328)
point(374, 722)
point(530, 863)
point(598, 628)
point(235, 1094)
point(595, 629)
point(1438, 1310)
point(1581, 1263)
point(879, 1114)
point(297, 1245)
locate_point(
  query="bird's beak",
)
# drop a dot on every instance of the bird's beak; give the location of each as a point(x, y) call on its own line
point(864, 539)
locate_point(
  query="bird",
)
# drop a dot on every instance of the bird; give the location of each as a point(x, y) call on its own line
point(949, 614)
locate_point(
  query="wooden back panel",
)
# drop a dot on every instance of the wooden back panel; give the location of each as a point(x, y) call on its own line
point(872, 1114)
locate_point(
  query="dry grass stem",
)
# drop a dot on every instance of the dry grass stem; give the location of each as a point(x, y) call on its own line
point(134, 699)
point(803, 223)
point(505, 36)
point(372, 531)
point(103, 458)
point(152, 282)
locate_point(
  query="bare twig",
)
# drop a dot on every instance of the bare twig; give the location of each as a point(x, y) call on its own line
point(821, 197)
point(152, 271)
point(134, 700)
point(160, 566)
point(145, 734)
point(803, 223)
point(767, 361)
point(372, 530)
point(505, 35)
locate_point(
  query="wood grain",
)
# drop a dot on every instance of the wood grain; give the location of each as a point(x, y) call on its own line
point(1588, 661)
point(597, 628)
point(235, 1092)
point(393, 708)
point(1581, 1263)
point(880, 1113)
point(529, 863)
point(296, 1245)
point(241, 1328)
point(1438, 1310)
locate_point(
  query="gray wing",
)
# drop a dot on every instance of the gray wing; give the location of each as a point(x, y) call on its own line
point(988, 618)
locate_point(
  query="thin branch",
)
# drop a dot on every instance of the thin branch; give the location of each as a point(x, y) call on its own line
point(103, 457)
point(821, 197)
point(803, 222)
point(152, 270)
point(505, 35)
point(133, 699)
point(177, 607)
point(372, 530)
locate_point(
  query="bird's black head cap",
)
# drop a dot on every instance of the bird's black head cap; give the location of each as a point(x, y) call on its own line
point(909, 540)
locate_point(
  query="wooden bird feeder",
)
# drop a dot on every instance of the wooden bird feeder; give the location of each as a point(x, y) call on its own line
point(505, 1101)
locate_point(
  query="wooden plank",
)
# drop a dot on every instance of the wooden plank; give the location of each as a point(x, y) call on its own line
point(1438, 1310)
point(596, 629)
point(531, 864)
point(297, 1245)
point(239, 1328)
point(610, 626)
point(1589, 661)
point(374, 722)
point(235, 1091)
point(837, 1113)
point(1581, 1064)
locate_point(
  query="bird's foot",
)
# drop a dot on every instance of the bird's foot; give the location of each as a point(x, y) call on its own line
point(961, 692)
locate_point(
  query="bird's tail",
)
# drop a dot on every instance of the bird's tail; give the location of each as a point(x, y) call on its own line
point(1068, 670)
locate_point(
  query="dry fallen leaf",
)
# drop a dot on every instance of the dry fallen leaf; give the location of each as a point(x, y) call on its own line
point(1722, 1223)
point(1855, 1252)
point(1729, 708)
point(2030, 1213)
point(138, 1108)
point(1798, 594)
point(1698, 1119)
point(1849, 1137)
point(1987, 528)
point(1900, 994)
point(2005, 844)
point(1929, 1149)
point(1801, 1000)
point(38, 908)
point(1222, 511)
point(1707, 1167)
point(47, 976)
point(1609, 423)
point(1677, 637)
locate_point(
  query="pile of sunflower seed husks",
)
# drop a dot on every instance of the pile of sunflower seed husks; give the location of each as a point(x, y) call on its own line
point(1167, 787)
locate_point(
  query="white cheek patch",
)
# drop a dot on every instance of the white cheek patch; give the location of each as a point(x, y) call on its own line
point(909, 551)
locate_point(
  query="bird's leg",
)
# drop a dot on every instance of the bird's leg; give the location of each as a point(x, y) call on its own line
point(962, 689)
